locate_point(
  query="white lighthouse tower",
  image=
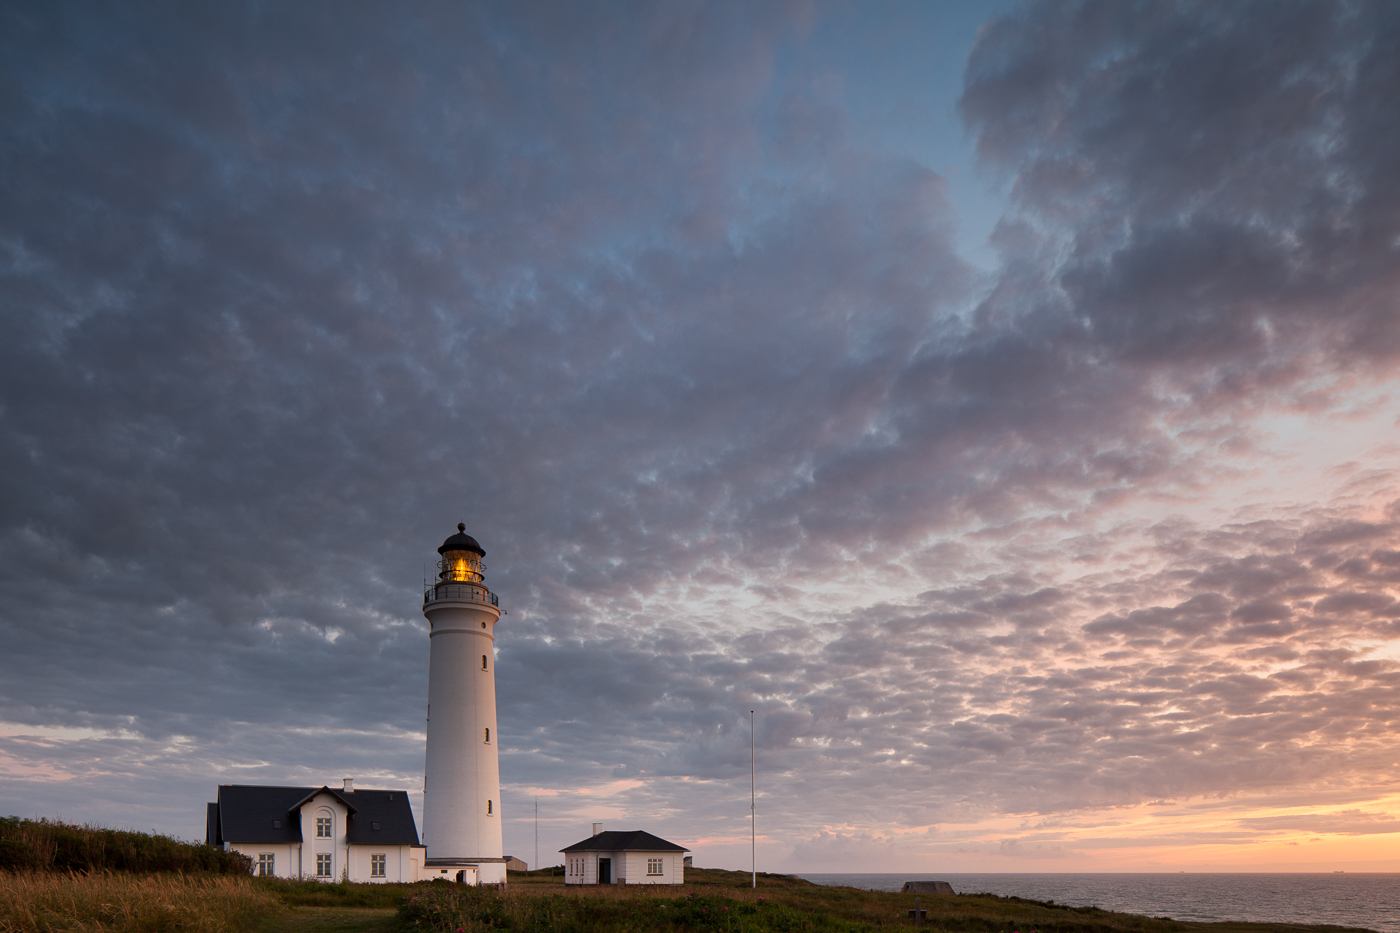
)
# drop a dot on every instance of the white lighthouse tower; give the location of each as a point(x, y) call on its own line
point(462, 787)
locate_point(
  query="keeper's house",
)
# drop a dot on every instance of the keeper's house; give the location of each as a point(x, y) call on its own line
point(316, 832)
point(635, 857)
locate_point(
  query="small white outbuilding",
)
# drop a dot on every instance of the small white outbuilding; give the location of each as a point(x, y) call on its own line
point(633, 857)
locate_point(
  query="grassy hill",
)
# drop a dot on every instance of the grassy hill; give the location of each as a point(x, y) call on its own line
point(82, 879)
point(51, 845)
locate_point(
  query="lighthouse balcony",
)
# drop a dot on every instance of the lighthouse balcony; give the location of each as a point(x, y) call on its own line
point(475, 594)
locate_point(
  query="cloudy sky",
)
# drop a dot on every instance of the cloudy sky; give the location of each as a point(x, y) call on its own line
point(1001, 400)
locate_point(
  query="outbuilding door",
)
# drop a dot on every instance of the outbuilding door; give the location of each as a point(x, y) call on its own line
point(605, 871)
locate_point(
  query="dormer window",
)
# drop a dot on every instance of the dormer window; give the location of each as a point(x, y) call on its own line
point(276, 824)
point(323, 827)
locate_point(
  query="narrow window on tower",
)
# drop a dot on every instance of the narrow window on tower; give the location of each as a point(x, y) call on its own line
point(488, 735)
point(488, 808)
point(483, 662)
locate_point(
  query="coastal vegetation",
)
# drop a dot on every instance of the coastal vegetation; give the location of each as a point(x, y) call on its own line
point(82, 880)
point(55, 846)
point(49, 902)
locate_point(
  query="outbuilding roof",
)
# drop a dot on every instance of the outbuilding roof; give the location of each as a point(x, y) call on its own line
point(271, 814)
point(614, 841)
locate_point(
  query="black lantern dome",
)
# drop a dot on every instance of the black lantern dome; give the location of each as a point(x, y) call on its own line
point(461, 541)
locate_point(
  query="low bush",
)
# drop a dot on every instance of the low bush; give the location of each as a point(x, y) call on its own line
point(50, 845)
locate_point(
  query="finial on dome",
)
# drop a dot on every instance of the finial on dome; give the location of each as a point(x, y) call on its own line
point(462, 526)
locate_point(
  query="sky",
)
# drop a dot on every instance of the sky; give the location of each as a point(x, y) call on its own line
point(1000, 400)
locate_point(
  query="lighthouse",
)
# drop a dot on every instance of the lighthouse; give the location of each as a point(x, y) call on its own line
point(462, 777)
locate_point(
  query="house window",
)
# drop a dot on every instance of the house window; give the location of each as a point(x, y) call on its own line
point(376, 865)
point(266, 863)
point(656, 866)
point(323, 865)
point(488, 808)
point(488, 735)
point(323, 827)
point(483, 662)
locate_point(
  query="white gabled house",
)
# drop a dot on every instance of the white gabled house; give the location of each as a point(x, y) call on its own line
point(635, 857)
point(317, 832)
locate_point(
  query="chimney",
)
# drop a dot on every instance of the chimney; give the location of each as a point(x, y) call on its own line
point(349, 785)
point(597, 828)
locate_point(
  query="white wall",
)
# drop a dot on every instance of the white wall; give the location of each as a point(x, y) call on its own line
point(284, 863)
point(491, 873)
point(463, 769)
point(672, 868)
point(324, 804)
point(399, 862)
point(584, 873)
point(449, 874)
point(627, 867)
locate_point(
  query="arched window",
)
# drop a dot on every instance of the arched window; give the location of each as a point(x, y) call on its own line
point(483, 662)
point(488, 735)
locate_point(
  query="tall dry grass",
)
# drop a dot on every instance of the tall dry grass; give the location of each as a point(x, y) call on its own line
point(40, 902)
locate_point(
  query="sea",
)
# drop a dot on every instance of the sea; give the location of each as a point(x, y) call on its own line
point(1368, 900)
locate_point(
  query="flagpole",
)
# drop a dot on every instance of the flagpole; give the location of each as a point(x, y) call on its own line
point(753, 810)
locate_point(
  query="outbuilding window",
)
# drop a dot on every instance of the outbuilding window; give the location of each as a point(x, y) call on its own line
point(656, 866)
point(376, 865)
point(266, 861)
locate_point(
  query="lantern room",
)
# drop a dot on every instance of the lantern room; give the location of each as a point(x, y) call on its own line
point(461, 558)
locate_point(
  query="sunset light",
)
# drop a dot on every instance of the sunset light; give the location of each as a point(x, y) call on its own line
point(999, 399)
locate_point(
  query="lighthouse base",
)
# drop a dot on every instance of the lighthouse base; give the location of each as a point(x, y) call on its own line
point(473, 871)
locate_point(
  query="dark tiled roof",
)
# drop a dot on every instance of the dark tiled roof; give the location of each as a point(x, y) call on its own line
point(246, 813)
point(619, 841)
point(211, 826)
point(387, 809)
point(323, 789)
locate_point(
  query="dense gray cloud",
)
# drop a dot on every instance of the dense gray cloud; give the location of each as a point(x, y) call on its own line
point(285, 293)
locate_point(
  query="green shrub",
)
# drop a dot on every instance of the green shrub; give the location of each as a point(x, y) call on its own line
point(50, 845)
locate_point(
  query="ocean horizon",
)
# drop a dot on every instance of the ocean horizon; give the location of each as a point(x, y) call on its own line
point(1368, 900)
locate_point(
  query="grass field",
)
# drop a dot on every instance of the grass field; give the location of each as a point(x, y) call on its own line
point(47, 902)
point(711, 900)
